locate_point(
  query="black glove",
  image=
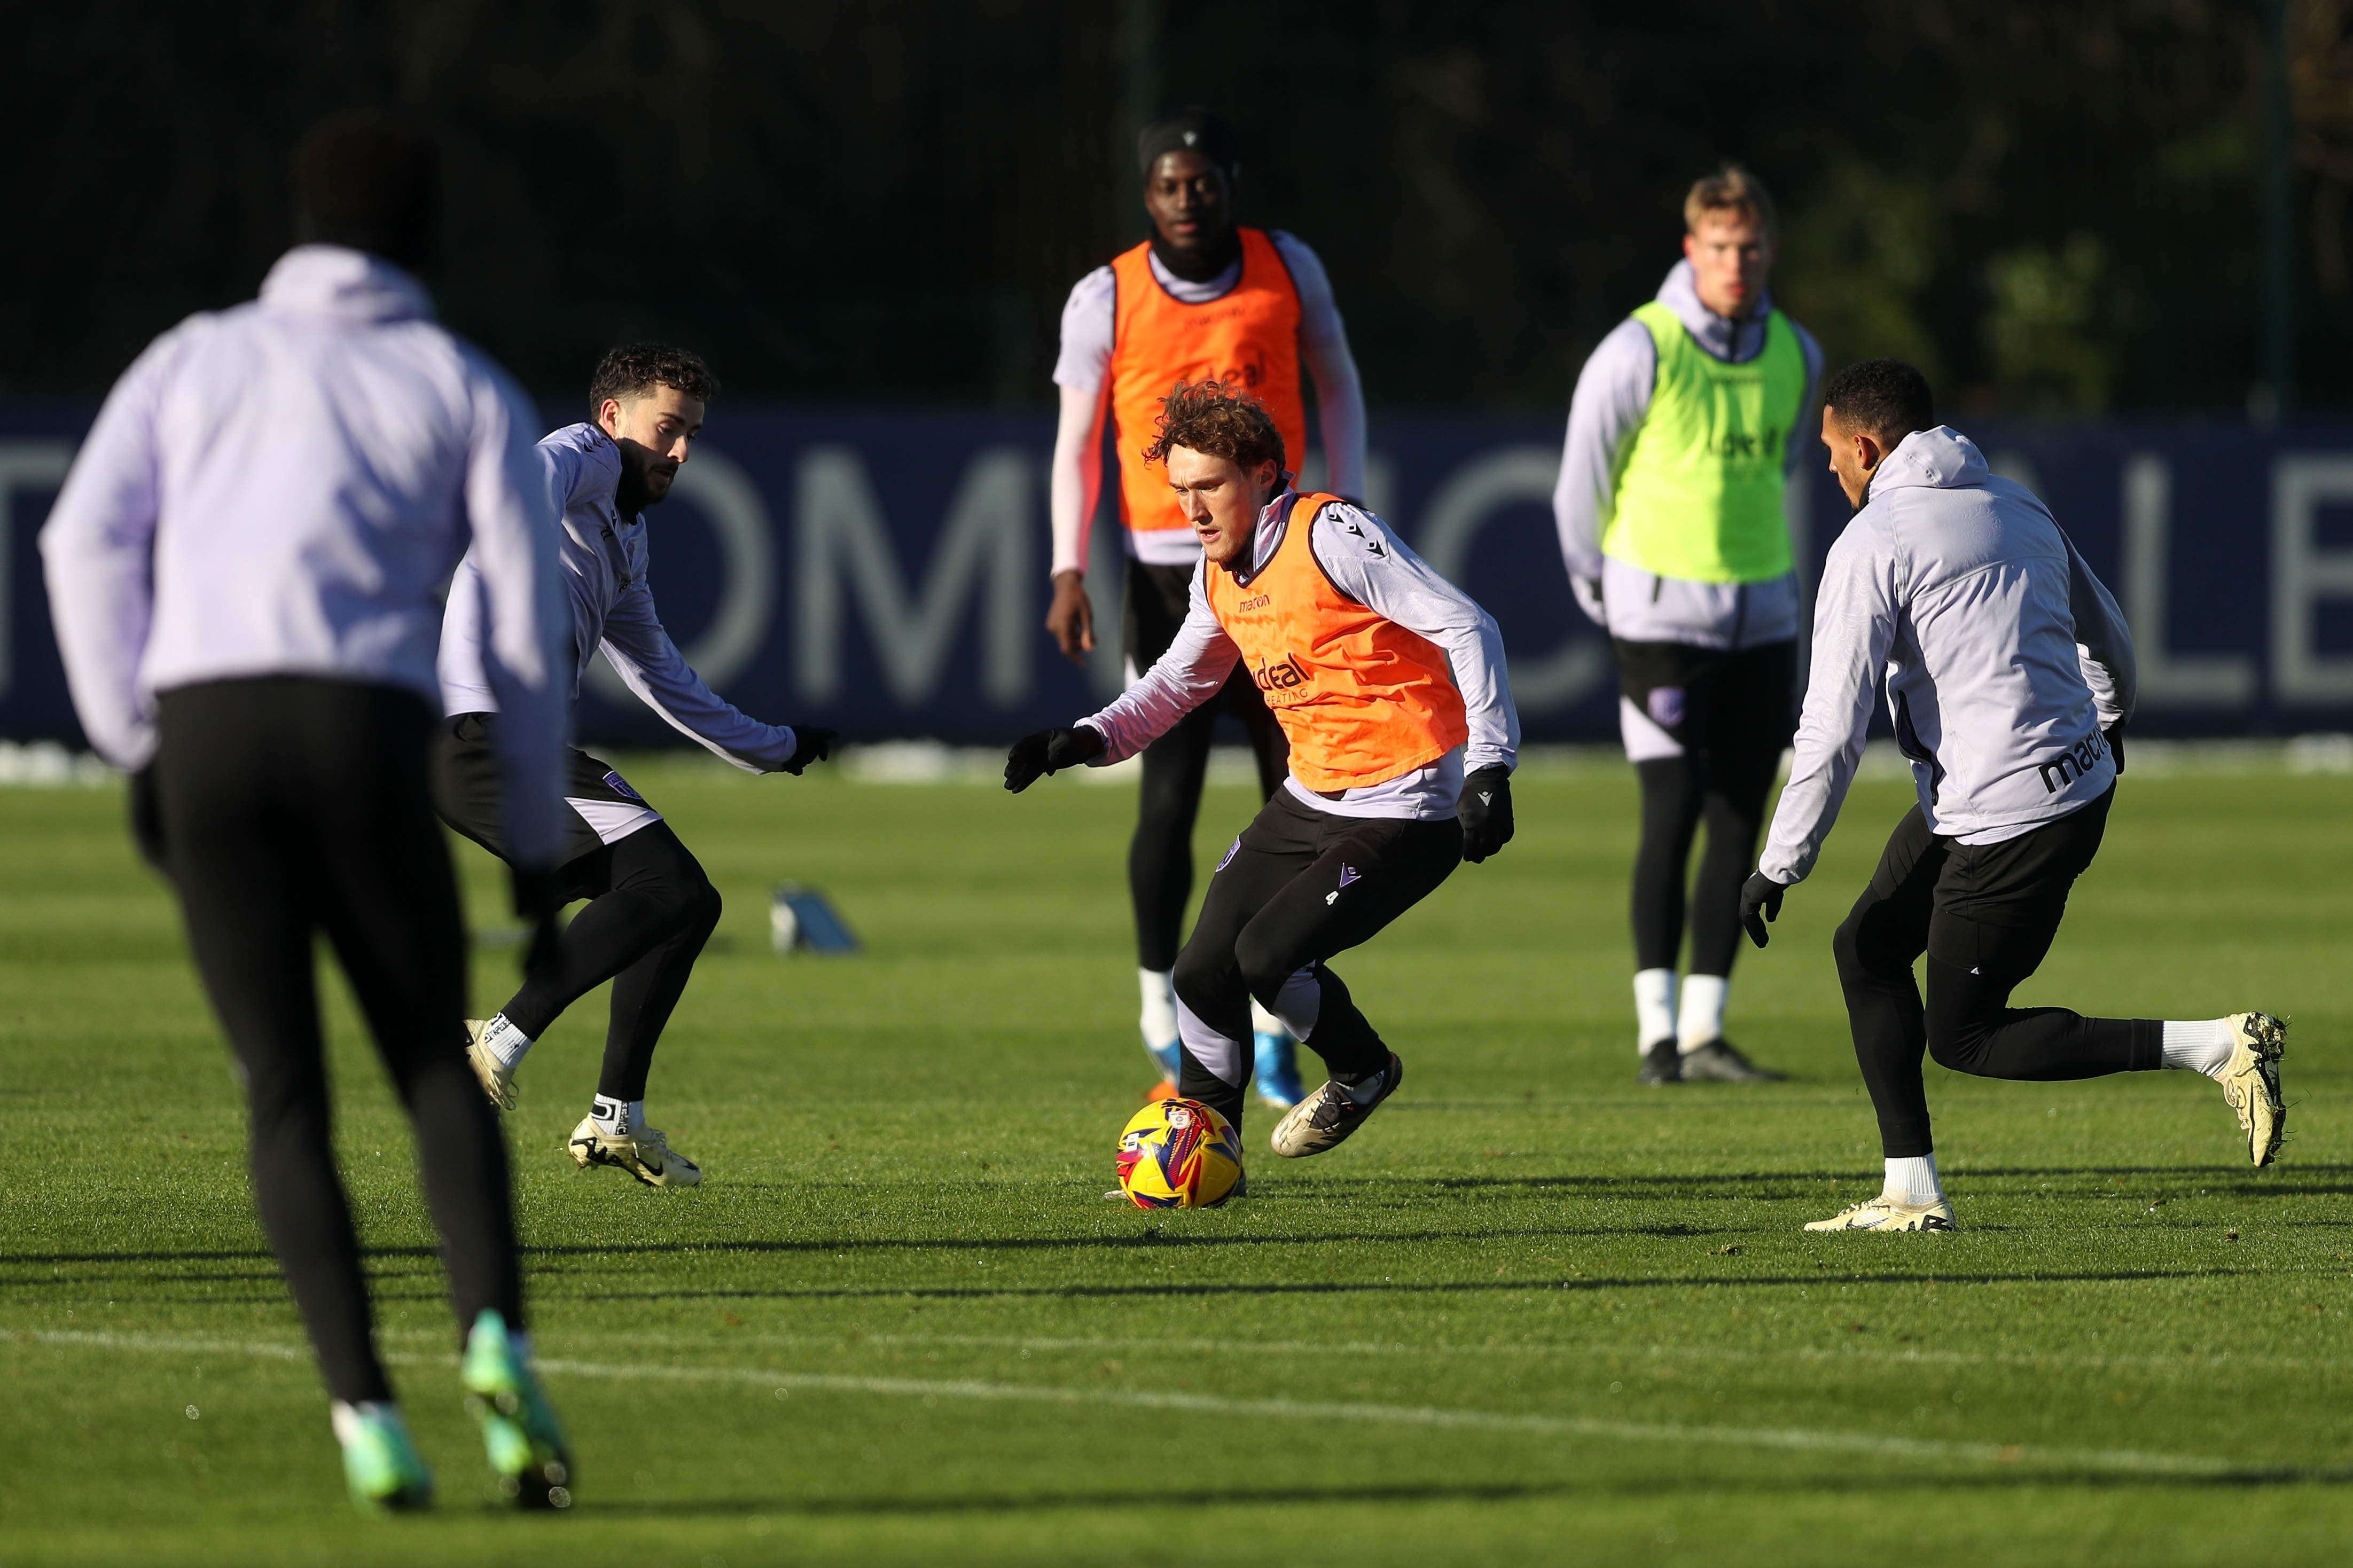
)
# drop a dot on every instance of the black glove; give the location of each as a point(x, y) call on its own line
point(1761, 901)
point(2115, 735)
point(810, 745)
point(147, 818)
point(536, 900)
point(1486, 812)
point(1049, 751)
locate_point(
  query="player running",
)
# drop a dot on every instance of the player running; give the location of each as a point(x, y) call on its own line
point(2010, 678)
point(1390, 683)
point(248, 622)
point(1680, 437)
point(1201, 299)
point(650, 909)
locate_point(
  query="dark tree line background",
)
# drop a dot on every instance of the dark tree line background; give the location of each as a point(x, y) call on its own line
point(2054, 208)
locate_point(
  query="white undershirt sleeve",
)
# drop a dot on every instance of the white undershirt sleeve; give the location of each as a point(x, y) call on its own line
point(1324, 349)
point(1612, 399)
point(1854, 626)
point(1365, 560)
point(642, 654)
point(1191, 672)
point(1082, 372)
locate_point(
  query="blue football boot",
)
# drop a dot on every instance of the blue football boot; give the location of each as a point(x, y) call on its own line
point(527, 1451)
point(1276, 1060)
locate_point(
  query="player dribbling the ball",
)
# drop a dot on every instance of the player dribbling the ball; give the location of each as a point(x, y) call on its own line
point(1389, 682)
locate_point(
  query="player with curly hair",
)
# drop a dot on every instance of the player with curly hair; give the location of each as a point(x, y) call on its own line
point(1390, 683)
point(650, 909)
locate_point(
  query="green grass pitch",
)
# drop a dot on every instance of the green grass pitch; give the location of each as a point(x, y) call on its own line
point(1532, 1312)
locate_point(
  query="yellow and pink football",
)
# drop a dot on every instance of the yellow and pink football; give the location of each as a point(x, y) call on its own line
point(1179, 1154)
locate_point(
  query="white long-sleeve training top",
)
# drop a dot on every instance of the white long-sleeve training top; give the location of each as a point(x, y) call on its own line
point(605, 558)
point(1365, 560)
point(281, 489)
point(2005, 659)
point(1082, 371)
point(1612, 399)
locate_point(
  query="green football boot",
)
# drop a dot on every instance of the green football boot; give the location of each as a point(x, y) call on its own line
point(380, 1464)
point(527, 1451)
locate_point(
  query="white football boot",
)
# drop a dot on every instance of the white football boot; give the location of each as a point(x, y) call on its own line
point(1325, 1118)
point(497, 1079)
point(1884, 1213)
point(2252, 1082)
point(642, 1151)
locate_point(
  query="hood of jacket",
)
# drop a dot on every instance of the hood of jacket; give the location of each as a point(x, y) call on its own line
point(1727, 338)
point(348, 285)
point(1938, 459)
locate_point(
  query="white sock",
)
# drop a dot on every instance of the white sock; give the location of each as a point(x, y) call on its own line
point(1367, 1090)
point(1701, 1018)
point(504, 1041)
point(1160, 1018)
point(1654, 1008)
point(1913, 1180)
point(1263, 1021)
point(2202, 1045)
point(345, 1418)
point(616, 1118)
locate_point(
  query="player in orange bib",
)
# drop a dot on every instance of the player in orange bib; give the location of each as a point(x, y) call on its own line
point(1389, 681)
point(1203, 298)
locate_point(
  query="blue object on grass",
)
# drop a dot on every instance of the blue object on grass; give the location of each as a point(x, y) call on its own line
point(802, 920)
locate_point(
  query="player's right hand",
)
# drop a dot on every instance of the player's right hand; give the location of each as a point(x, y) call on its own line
point(810, 745)
point(1072, 617)
point(1761, 901)
point(1049, 751)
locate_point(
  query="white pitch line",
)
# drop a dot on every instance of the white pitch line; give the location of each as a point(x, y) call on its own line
point(1786, 1438)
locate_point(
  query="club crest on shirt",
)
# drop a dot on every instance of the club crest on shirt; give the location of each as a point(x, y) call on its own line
point(1666, 706)
point(620, 786)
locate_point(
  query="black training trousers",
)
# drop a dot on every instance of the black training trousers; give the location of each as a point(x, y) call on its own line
point(1984, 915)
point(1731, 711)
point(650, 907)
point(282, 807)
point(1297, 887)
point(1160, 856)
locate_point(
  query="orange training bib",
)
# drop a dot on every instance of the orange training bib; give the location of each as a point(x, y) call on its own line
point(1363, 699)
point(1249, 338)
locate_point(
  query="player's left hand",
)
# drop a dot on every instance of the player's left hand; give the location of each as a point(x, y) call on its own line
point(1486, 812)
point(1036, 755)
point(810, 745)
point(1761, 901)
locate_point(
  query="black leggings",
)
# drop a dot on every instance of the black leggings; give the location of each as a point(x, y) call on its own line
point(1298, 886)
point(1735, 719)
point(1984, 915)
point(651, 910)
point(289, 805)
point(1160, 856)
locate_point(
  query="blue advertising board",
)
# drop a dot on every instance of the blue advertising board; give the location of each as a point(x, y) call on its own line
point(885, 573)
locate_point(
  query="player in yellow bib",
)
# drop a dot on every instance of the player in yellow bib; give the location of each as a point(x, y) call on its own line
point(1670, 510)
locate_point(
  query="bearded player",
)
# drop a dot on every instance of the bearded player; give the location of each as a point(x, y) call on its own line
point(1390, 683)
point(650, 909)
point(1202, 298)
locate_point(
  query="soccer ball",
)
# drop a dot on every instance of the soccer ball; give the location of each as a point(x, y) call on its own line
point(1179, 1154)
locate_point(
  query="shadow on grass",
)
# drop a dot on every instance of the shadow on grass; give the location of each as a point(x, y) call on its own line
point(1992, 1481)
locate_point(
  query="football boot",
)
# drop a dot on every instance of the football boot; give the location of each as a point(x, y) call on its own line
point(1663, 1063)
point(1719, 1061)
point(645, 1152)
point(497, 1079)
point(1325, 1119)
point(526, 1448)
point(381, 1466)
point(1275, 1060)
point(1884, 1213)
point(2250, 1082)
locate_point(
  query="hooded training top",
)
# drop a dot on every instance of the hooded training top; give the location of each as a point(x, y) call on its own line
point(1612, 400)
point(2004, 657)
point(1363, 560)
point(280, 488)
point(605, 559)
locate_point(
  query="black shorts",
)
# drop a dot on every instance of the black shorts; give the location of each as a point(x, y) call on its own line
point(1735, 702)
point(470, 792)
